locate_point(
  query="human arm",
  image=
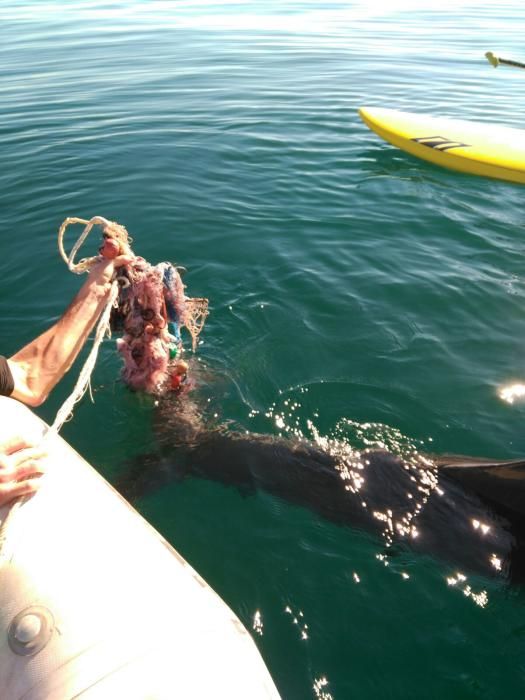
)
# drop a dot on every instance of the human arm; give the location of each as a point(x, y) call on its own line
point(40, 365)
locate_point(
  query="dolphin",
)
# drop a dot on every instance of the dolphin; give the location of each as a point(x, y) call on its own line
point(468, 512)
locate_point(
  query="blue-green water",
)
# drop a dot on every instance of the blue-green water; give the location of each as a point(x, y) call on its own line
point(347, 282)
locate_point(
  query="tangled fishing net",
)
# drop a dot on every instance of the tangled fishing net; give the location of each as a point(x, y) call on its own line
point(148, 305)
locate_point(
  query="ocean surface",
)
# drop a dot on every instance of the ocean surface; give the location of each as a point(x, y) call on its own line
point(358, 296)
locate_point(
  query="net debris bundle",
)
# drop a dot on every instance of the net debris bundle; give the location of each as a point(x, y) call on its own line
point(150, 309)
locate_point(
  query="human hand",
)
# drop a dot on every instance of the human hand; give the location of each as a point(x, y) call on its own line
point(20, 469)
point(101, 272)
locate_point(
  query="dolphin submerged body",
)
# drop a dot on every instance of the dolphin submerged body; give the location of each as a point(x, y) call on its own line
point(468, 512)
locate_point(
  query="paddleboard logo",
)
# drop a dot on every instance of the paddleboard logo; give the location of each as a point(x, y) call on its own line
point(440, 143)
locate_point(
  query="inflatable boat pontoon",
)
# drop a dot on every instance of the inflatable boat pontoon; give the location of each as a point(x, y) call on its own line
point(95, 604)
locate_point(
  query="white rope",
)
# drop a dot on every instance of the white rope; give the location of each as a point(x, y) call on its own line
point(65, 412)
point(84, 264)
point(103, 328)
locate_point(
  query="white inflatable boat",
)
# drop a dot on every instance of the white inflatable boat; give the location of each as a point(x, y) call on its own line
point(95, 604)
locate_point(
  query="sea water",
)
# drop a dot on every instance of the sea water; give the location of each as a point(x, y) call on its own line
point(354, 290)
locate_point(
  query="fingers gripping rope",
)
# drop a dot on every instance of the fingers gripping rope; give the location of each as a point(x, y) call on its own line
point(110, 228)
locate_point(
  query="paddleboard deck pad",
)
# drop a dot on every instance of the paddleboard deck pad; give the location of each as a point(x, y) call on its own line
point(471, 147)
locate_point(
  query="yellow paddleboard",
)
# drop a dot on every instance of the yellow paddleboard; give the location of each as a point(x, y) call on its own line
point(470, 147)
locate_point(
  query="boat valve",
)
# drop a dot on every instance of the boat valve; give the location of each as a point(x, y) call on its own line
point(30, 630)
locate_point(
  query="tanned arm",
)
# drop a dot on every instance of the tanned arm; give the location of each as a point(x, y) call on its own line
point(41, 364)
